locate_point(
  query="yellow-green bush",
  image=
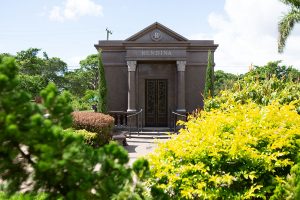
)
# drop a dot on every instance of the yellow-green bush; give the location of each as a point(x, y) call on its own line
point(89, 138)
point(262, 92)
point(241, 152)
point(96, 123)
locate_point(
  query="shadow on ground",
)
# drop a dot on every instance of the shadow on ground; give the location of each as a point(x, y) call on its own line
point(131, 148)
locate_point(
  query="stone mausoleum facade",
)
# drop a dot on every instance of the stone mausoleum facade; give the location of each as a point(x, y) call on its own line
point(156, 70)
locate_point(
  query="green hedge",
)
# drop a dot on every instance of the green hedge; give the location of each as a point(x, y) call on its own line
point(241, 152)
point(96, 123)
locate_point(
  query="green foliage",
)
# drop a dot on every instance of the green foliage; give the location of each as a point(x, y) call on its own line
point(90, 96)
point(76, 82)
point(84, 102)
point(85, 78)
point(36, 72)
point(53, 70)
point(289, 189)
point(272, 69)
point(57, 105)
point(29, 62)
point(235, 152)
point(262, 93)
point(32, 84)
point(90, 138)
point(223, 81)
point(102, 105)
point(90, 64)
point(141, 168)
point(79, 104)
point(37, 149)
point(263, 86)
point(209, 79)
point(96, 123)
point(21, 196)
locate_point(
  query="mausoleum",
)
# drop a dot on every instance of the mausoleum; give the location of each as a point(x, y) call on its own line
point(156, 70)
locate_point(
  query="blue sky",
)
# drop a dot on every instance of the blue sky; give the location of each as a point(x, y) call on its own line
point(246, 30)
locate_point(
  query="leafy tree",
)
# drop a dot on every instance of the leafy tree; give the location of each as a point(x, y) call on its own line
point(34, 69)
point(32, 84)
point(223, 81)
point(84, 79)
point(287, 22)
point(76, 82)
point(82, 97)
point(272, 69)
point(5, 55)
point(90, 64)
point(53, 70)
point(209, 79)
point(28, 61)
point(102, 86)
point(38, 149)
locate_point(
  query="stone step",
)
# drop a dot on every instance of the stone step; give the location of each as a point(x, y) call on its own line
point(150, 133)
point(148, 136)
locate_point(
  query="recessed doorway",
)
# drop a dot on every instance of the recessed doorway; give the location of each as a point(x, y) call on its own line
point(156, 102)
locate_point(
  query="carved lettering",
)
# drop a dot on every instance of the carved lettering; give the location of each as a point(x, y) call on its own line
point(156, 53)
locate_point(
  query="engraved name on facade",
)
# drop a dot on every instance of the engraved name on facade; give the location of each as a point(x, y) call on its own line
point(156, 53)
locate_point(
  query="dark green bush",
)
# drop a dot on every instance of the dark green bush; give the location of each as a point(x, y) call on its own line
point(94, 122)
point(37, 149)
point(289, 189)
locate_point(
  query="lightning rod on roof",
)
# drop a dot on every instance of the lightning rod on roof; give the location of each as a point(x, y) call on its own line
point(107, 33)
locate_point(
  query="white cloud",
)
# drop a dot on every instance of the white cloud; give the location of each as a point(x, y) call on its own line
point(55, 14)
point(247, 33)
point(72, 9)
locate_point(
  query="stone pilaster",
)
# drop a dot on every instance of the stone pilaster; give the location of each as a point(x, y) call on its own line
point(181, 86)
point(131, 86)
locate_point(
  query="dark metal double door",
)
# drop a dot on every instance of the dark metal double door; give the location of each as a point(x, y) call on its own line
point(156, 111)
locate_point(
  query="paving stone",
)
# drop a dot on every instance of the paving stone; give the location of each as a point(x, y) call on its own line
point(142, 145)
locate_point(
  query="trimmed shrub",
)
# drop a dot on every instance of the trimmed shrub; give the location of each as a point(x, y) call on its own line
point(94, 122)
point(239, 152)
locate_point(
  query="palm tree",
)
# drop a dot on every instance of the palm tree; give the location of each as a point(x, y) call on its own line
point(287, 22)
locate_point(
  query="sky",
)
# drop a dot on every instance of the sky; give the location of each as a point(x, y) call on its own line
point(246, 30)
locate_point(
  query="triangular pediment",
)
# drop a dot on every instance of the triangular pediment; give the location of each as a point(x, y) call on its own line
point(156, 32)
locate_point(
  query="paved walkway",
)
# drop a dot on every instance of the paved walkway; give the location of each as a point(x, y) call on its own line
point(144, 143)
